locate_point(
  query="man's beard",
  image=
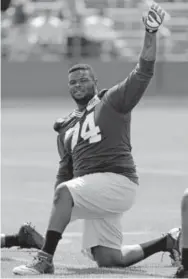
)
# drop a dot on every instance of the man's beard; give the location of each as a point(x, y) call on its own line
point(85, 100)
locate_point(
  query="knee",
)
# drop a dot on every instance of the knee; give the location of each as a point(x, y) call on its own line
point(104, 257)
point(103, 260)
point(62, 194)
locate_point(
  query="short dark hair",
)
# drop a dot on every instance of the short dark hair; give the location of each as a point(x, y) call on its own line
point(86, 67)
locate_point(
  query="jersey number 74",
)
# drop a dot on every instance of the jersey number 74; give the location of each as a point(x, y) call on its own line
point(88, 131)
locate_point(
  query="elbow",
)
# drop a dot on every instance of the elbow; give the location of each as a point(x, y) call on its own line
point(144, 77)
point(146, 68)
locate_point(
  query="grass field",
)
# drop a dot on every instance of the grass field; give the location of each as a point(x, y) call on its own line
point(29, 165)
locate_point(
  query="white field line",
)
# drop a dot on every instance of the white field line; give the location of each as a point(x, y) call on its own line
point(66, 237)
point(65, 241)
point(49, 165)
point(79, 234)
point(171, 172)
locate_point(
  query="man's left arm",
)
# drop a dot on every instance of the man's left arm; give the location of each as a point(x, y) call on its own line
point(124, 96)
point(65, 170)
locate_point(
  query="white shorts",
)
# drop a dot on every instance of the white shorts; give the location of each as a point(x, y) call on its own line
point(101, 199)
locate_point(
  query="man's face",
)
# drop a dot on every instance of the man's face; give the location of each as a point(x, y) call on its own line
point(82, 86)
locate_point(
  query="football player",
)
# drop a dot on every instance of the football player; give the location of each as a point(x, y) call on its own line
point(182, 271)
point(97, 179)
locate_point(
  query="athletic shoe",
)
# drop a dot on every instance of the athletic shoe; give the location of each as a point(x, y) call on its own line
point(173, 246)
point(2, 236)
point(28, 237)
point(181, 273)
point(41, 264)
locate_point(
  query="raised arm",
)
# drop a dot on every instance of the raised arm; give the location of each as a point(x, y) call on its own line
point(148, 52)
point(65, 171)
point(124, 96)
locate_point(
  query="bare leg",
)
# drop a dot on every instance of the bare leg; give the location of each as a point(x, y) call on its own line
point(59, 219)
point(129, 254)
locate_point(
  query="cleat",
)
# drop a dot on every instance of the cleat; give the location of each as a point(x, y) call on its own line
point(2, 236)
point(28, 237)
point(181, 273)
point(173, 246)
point(41, 264)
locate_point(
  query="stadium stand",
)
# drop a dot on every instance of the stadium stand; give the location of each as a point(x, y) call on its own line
point(127, 29)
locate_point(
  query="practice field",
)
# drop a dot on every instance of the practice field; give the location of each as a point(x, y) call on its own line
point(29, 165)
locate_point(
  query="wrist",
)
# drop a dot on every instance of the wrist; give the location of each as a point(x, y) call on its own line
point(151, 31)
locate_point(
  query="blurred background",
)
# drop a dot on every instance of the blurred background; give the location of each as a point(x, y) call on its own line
point(64, 32)
point(104, 29)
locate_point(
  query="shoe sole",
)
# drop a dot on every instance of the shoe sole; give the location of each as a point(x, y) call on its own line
point(23, 270)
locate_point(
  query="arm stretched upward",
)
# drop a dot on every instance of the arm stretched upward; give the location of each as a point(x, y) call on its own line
point(124, 96)
point(148, 52)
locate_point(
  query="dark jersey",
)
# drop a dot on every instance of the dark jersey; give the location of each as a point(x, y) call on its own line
point(100, 138)
point(64, 126)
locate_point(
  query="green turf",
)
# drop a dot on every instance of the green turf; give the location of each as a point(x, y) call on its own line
point(29, 164)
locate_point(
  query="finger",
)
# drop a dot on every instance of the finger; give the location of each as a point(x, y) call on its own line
point(160, 10)
point(163, 14)
point(155, 6)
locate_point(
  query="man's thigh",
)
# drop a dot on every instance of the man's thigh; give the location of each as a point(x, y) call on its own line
point(100, 195)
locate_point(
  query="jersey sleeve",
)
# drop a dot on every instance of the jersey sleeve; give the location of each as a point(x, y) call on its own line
point(123, 97)
point(65, 171)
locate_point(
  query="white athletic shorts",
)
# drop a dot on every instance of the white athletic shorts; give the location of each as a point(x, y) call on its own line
point(101, 199)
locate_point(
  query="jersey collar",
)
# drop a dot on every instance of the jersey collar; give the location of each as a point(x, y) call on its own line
point(92, 103)
point(78, 113)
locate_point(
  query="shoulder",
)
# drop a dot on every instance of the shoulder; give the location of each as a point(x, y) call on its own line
point(102, 93)
point(62, 123)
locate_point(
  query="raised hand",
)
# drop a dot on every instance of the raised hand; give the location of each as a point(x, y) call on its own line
point(154, 18)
